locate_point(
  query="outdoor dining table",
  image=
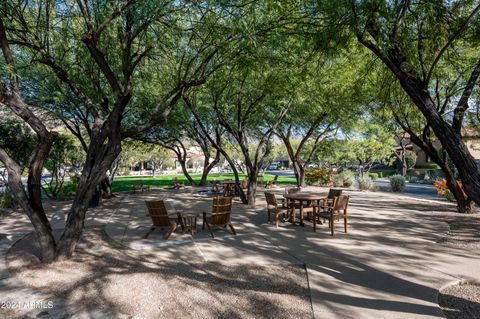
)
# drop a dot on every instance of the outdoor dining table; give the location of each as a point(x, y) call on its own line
point(303, 198)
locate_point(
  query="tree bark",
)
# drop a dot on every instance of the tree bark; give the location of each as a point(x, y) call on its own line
point(252, 186)
point(106, 187)
point(105, 146)
point(207, 168)
point(183, 165)
point(31, 206)
point(451, 141)
point(463, 205)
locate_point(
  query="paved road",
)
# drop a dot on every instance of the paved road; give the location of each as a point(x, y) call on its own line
point(413, 190)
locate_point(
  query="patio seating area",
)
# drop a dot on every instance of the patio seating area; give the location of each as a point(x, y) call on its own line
point(388, 265)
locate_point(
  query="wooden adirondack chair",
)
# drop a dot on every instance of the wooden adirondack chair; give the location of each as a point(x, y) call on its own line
point(160, 219)
point(221, 212)
point(139, 187)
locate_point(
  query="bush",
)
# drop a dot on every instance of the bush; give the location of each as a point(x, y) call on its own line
point(365, 183)
point(413, 179)
point(68, 190)
point(348, 178)
point(6, 200)
point(373, 176)
point(384, 173)
point(320, 176)
point(411, 159)
point(427, 166)
point(397, 183)
point(337, 180)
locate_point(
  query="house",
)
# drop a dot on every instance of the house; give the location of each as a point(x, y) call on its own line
point(471, 138)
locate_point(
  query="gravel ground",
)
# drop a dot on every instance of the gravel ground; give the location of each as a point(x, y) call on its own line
point(461, 301)
point(464, 232)
point(103, 276)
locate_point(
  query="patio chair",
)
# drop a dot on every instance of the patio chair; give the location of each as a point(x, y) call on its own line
point(139, 187)
point(160, 219)
point(327, 202)
point(176, 184)
point(338, 210)
point(273, 183)
point(273, 207)
point(221, 212)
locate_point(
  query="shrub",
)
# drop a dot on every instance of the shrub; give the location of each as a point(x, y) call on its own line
point(442, 189)
point(365, 183)
point(427, 166)
point(6, 200)
point(68, 190)
point(337, 180)
point(397, 183)
point(373, 176)
point(320, 176)
point(411, 159)
point(413, 179)
point(384, 173)
point(348, 178)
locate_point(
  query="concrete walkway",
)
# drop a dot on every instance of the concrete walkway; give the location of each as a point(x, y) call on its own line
point(387, 266)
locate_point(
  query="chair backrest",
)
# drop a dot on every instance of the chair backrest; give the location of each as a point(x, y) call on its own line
point(270, 198)
point(334, 193)
point(341, 203)
point(221, 210)
point(158, 213)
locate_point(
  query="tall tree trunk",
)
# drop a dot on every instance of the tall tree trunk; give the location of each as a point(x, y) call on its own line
point(106, 187)
point(301, 176)
point(252, 186)
point(450, 140)
point(463, 205)
point(183, 165)
point(207, 168)
point(456, 149)
point(100, 157)
point(31, 206)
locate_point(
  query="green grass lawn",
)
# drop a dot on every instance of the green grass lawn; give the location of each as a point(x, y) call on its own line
point(121, 184)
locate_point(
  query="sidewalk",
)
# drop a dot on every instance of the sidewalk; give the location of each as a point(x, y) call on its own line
point(387, 266)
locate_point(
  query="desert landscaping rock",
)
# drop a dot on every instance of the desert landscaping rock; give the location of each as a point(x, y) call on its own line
point(461, 301)
point(135, 284)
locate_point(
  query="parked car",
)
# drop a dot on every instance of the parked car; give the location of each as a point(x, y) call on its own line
point(273, 166)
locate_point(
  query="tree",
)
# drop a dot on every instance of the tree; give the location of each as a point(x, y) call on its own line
point(30, 199)
point(419, 42)
point(418, 130)
point(326, 99)
point(86, 41)
point(207, 120)
point(249, 108)
point(17, 140)
point(64, 154)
